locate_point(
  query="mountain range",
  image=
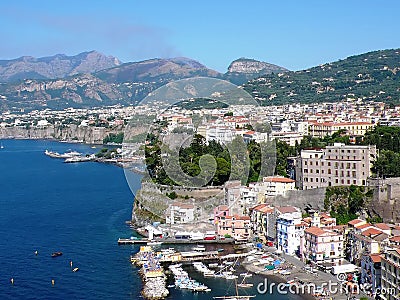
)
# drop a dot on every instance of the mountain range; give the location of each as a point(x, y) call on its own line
point(93, 79)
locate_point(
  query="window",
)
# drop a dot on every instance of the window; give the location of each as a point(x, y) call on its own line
point(329, 163)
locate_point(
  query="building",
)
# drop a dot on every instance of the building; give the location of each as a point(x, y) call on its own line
point(235, 226)
point(289, 231)
point(277, 185)
point(179, 213)
point(337, 165)
point(322, 129)
point(390, 277)
point(263, 221)
point(323, 247)
point(371, 272)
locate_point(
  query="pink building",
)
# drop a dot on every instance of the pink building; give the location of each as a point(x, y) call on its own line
point(323, 246)
point(235, 226)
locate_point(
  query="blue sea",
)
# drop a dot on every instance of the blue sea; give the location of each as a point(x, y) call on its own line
point(80, 210)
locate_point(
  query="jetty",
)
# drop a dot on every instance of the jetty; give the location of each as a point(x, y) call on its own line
point(132, 241)
point(152, 274)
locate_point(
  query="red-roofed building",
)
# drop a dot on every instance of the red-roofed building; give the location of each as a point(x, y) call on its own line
point(354, 222)
point(277, 185)
point(322, 246)
point(371, 272)
point(235, 226)
point(263, 221)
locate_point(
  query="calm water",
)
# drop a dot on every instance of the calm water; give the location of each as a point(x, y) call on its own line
point(79, 209)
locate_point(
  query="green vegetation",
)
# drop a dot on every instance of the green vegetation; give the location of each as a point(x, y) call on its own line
point(114, 138)
point(346, 202)
point(370, 76)
point(107, 153)
point(387, 140)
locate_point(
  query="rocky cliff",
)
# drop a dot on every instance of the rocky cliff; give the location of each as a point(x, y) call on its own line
point(244, 69)
point(52, 67)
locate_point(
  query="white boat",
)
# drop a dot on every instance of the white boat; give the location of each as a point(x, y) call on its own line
point(154, 243)
point(75, 269)
point(199, 248)
point(1, 146)
point(246, 274)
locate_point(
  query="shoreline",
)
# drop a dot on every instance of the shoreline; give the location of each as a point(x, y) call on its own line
point(273, 277)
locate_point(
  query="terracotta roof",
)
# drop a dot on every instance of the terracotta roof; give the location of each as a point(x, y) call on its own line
point(376, 258)
point(222, 207)
point(286, 209)
point(267, 209)
point(354, 222)
point(363, 226)
point(315, 231)
point(371, 231)
point(395, 239)
point(382, 226)
point(259, 206)
point(278, 179)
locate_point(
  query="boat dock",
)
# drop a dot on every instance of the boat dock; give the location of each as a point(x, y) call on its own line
point(132, 241)
point(173, 241)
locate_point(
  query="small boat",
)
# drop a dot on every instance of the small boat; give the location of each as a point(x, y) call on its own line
point(171, 286)
point(1, 146)
point(75, 269)
point(55, 254)
point(199, 248)
point(154, 243)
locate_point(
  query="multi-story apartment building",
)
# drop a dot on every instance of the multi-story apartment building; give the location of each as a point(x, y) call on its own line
point(277, 185)
point(322, 129)
point(263, 221)
point(335, 165)
point(323, 246)
point(390, 277)
point(289, 231)
point(238, 227)
point(179, 213)
point(371, 272)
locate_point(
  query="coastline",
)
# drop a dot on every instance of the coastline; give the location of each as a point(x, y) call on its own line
point(276, 278)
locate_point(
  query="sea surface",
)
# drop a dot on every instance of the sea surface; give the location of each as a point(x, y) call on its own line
point(79, 209)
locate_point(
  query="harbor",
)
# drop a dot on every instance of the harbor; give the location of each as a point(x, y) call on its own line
point(153, 262)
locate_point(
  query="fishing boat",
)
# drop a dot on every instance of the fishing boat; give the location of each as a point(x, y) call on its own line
point(56, 254)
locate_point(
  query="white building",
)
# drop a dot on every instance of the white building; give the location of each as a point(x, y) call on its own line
point(289, 231)
point(277, 185)
point(179, 213)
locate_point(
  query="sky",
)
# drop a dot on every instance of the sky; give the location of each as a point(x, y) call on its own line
point(294, 34)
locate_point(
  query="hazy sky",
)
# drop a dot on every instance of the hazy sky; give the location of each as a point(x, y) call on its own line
point(294, 34)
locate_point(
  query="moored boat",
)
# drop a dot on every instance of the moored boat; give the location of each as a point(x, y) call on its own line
point(56, 254)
